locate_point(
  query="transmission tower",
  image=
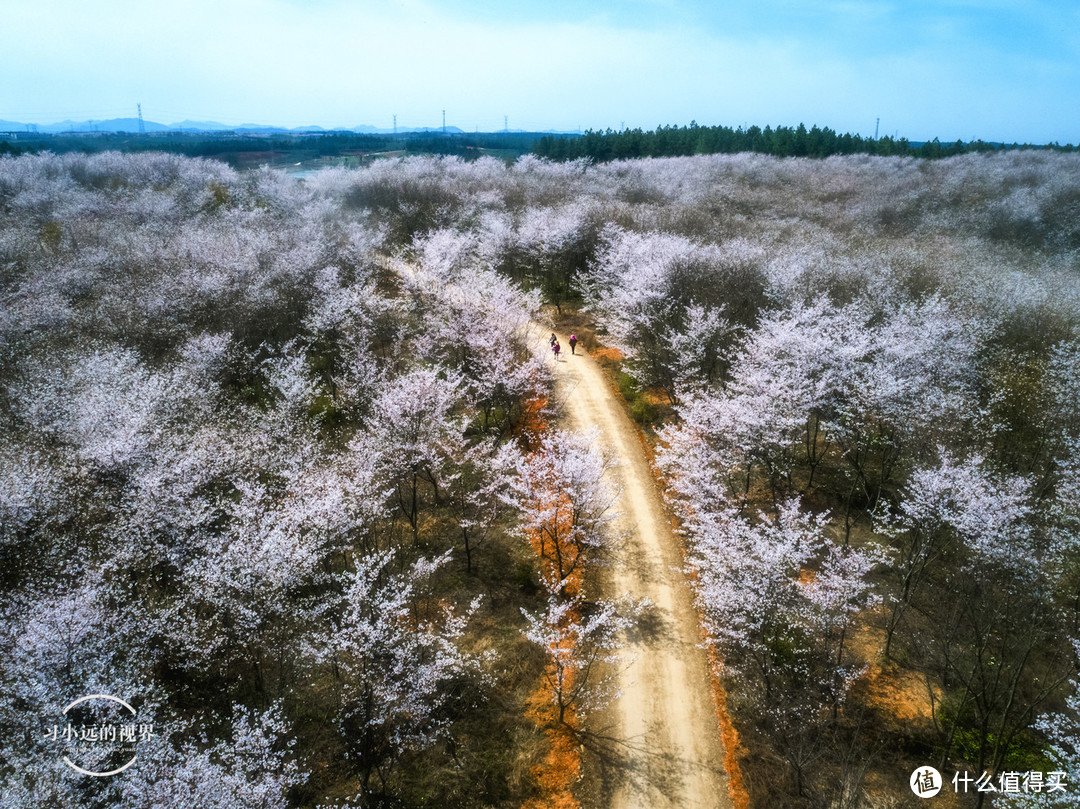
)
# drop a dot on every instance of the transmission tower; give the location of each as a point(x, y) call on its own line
point(395, 124)
point(444, 121)
point(506, 123)
point(142, 126)
point(876, 126)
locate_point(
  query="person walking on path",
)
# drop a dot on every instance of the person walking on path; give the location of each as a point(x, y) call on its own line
point(555, 350)
point(573, 343)
point(552, 341)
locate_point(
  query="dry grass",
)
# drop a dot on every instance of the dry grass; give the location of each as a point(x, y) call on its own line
point(898, 693)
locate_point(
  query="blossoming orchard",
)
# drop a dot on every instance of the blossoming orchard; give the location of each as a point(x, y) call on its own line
point(285, 467)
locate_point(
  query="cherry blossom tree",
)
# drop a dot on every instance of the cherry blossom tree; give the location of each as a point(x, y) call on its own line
point(395, 662)
point(788, 386)
point(580, 639)
point(415, 438)
point(780, 613)
point(960, 506)
point(1063, 512)
point(976, 608)
point(484, 472)
point(254, 765)
point(1062, 731)
point(565, 503)
point(476, 321)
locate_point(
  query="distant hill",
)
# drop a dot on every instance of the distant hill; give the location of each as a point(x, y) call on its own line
point(110, 125)
point(200, 126)
point(131, 125)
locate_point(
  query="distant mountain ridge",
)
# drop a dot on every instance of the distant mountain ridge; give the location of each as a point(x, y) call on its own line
point(131, 125)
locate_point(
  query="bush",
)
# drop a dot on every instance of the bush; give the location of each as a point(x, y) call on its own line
point(642, 411)
point(627, 385)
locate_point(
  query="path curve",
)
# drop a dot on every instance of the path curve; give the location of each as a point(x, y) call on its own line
point(659, 743)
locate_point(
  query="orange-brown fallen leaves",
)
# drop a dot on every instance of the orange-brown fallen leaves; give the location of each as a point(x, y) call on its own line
point(560, 768)
point(605, 355)
point(736, 787)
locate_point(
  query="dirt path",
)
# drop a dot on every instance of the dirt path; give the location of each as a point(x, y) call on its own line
point(659, 744)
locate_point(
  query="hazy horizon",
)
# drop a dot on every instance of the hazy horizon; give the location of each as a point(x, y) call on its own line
point(1005, 70)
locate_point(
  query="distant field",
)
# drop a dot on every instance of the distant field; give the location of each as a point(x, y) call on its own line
point(245, 151)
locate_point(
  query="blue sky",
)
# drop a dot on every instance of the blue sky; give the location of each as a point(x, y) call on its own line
point(994, 69)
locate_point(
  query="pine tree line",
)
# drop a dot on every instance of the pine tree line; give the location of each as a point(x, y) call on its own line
point(783, 141)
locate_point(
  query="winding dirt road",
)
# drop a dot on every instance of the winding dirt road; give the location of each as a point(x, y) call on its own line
point(658, 745)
